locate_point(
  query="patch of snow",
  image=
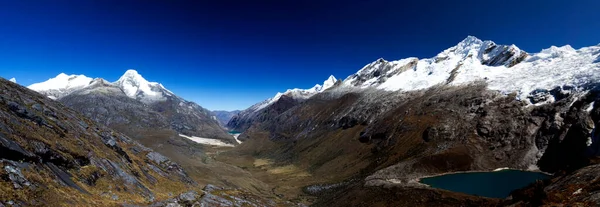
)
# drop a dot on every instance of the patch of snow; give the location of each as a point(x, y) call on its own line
point(501, 169)
point(578, 191)
point(14, 80)
point(590, 107)
point(590, 139)
point(394, 181)
point(207, 141)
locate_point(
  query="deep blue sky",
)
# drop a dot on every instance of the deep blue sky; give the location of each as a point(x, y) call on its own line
point(232, 54)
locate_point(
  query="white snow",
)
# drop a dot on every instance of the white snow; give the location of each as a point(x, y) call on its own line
point(62, 82)
point(207, 141)
point(14, 80)
point(501, 169)
point(578, 191)
point(590, 107)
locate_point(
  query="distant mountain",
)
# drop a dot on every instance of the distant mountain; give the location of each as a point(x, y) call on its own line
point(132, 104)
point(224, 116)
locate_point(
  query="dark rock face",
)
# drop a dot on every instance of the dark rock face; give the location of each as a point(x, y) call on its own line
point(381, 70)
point(503, 55)
point(246, 119)
point(115, 109)
point(52, 154)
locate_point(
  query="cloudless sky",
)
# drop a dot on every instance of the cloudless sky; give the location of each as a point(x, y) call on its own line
point(231, 54)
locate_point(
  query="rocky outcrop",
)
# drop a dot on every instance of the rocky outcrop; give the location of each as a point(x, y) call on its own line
point(579, 188)
point(53, 154)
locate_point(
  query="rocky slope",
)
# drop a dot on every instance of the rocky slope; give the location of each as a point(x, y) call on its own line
point(52, 154)
point(132, 104)
point(474, 106)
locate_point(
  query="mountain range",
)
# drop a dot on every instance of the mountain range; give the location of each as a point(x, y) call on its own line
point(502, 68)
point(132, 104)
point(366, 140)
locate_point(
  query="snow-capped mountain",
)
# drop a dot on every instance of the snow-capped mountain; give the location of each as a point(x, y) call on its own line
point(132, 102)
point(14, 80)
point(505, 68)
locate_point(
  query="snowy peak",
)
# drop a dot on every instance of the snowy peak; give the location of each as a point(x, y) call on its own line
point(485, 52)
point(14, 80)
point(136, 86)
point(329, 82)
point(61, 85)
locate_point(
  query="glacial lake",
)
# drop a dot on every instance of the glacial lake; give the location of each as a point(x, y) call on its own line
point(234, 132)
point(496, 184)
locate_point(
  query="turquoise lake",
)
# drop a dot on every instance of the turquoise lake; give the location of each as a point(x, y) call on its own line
point(234, 132)
point(497, 184)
